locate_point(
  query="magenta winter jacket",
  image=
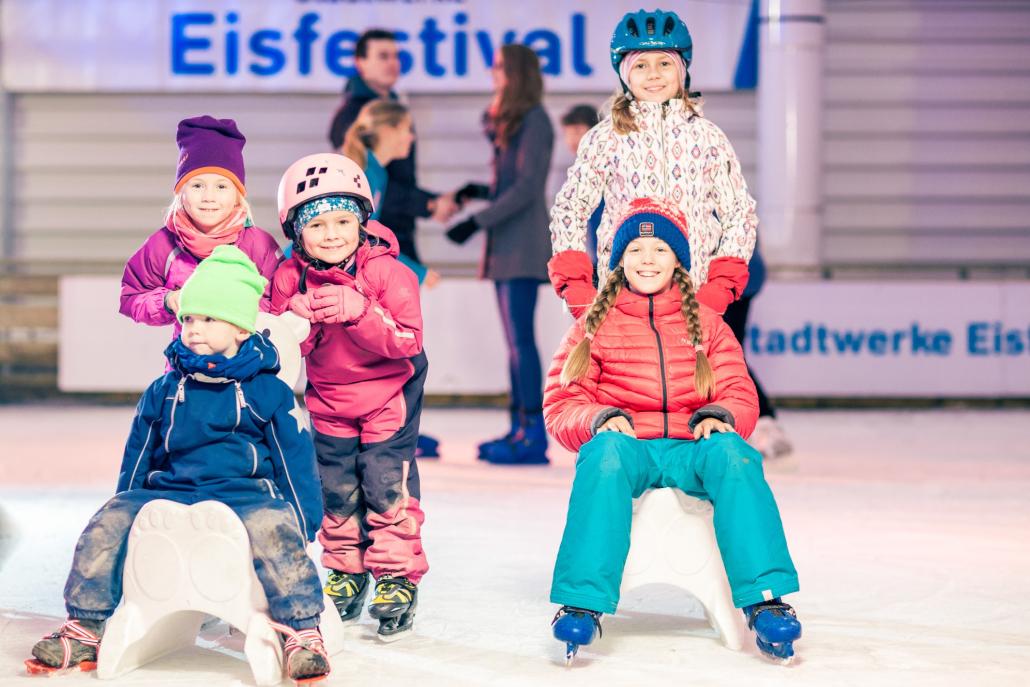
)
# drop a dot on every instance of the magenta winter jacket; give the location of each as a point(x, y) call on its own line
point(358, 368)
point(162, 264)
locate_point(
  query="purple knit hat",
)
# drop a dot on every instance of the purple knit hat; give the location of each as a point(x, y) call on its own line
point(209, 146)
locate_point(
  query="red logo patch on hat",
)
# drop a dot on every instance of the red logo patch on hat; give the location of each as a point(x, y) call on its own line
point(646, 228)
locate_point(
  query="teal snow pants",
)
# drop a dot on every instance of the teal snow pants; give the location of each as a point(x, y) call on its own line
point(612, 469)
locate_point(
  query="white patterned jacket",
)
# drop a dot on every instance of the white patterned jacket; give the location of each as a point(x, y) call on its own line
point(675, 154)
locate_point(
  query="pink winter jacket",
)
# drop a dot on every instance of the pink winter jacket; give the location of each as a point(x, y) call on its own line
point(357, 368)
point(162, 264)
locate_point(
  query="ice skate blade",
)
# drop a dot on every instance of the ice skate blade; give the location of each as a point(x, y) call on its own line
point(774, 653)
point(395, 636)
point(35, 667)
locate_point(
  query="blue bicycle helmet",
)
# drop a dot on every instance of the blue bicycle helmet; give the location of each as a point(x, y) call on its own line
point(656, 30)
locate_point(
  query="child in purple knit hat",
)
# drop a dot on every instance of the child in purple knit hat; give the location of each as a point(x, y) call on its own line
point(209, 209)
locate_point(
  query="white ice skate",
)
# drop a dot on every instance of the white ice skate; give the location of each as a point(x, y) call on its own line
point(771, 441)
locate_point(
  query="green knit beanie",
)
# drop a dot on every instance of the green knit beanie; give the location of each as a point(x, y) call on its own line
point(226, 286)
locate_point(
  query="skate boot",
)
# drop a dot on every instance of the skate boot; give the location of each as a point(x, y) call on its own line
point(427, 447)
point(575, 627)
point(394, 606)
point(347, 590)
point(304, 655)
point(527, 447)
point(776, 628)
point(770, 440)
point(73, 647)
point(488, 447)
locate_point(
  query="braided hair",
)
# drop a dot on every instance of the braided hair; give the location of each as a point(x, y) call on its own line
point(704, 378)
point(578, 362)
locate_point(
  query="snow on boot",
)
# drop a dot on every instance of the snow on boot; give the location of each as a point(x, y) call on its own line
point(73, 646)
point(776, 629)
point(528, 447)
point(304, 654)
point(394, 606)
point(347, 590)
point(576, 627)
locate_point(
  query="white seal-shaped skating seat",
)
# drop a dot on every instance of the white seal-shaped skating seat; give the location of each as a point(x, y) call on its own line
point(672, 542)
point(185, 563)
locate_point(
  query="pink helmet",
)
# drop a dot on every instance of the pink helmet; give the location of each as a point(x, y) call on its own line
point(317, 176)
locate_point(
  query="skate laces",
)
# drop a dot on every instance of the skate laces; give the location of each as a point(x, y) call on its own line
point(72, 630)
point(394, 590)
point(594, 615)
point(297, 640)
point(777, 607)
point(345, 584)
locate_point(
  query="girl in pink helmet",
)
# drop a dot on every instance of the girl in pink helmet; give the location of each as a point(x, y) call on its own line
point(209, 209)
point(366, 369)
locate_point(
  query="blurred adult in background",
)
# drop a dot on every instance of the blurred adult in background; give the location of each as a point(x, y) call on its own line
point(518, 242)
point(377, 60)
point(381, 134)
point(574, 126)
point(768, 438)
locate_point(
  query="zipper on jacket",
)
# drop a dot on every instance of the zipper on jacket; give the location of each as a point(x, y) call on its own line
point(241, 403)
point(665, 161)
point(661, 364)
point(180, 397)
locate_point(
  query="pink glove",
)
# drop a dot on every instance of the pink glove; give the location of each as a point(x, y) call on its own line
point(335, 303)
point(300, 304)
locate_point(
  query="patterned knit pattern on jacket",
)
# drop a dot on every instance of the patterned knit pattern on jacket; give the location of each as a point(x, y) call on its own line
point(675, 154)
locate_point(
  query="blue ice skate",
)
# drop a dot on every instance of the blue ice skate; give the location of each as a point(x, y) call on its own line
point(776, 628)
point(575, 627)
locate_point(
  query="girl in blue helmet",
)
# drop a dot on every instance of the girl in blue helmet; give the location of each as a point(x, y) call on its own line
point(655, 143)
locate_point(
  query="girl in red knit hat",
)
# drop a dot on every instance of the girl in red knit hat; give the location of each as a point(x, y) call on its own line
point(651, 389)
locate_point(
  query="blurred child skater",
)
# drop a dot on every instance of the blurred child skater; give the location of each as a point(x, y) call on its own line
point(652, 390)
point(219, 425)
point(657, 143)
point(209, 209)
point(366, 369)
point(382, 133)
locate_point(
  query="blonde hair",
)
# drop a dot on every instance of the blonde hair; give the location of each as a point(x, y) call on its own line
point(578, 362)
point(363, 134)
point(177, 204)
point(623, 121)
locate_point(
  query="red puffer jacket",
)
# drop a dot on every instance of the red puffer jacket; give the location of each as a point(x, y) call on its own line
point(356, 368)
point(642, 362)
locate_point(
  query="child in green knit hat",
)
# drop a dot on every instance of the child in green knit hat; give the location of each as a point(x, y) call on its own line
point(218, 305)
point(220, 425)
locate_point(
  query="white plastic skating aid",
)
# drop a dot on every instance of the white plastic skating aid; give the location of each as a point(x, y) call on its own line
point(673, 542)
point(184, 563)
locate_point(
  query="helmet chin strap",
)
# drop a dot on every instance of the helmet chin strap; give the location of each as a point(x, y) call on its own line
point(320, 265)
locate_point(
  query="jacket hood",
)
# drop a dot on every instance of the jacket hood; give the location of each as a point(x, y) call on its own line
point(257, 354)
point(357, 87)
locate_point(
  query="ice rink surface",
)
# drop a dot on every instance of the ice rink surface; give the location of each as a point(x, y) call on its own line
point(910, 532)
